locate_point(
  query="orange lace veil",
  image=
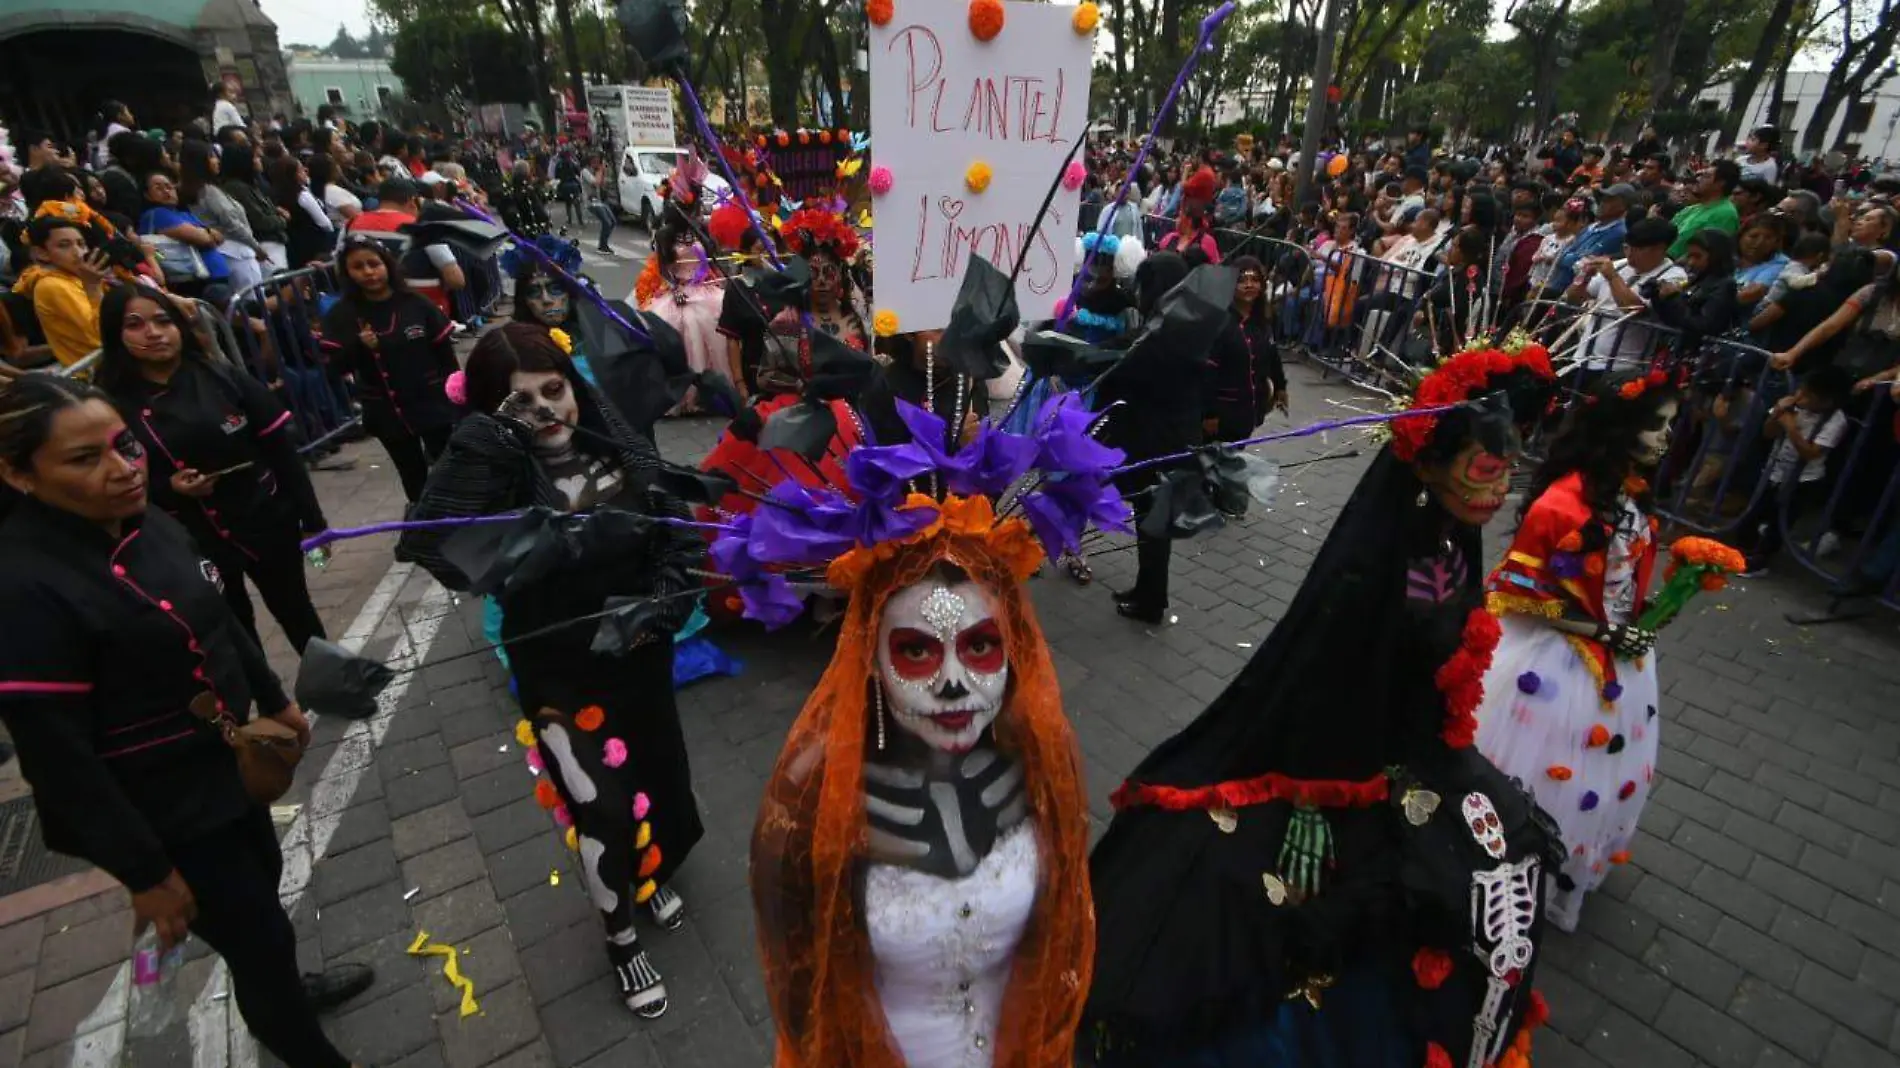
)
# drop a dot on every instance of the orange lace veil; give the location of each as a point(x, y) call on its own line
point(809, 847)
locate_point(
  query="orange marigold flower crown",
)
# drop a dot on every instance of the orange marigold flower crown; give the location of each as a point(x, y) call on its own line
point(1458, 379)
point(809, 229)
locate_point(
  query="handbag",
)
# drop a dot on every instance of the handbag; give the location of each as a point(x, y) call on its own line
point(178, 261)
point(267, 751)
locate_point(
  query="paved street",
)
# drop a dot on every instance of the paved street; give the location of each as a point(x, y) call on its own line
point(1758, 927)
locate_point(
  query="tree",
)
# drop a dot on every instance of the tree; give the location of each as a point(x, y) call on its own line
point(344, 46)
point(1865, 61)
point(439, 55)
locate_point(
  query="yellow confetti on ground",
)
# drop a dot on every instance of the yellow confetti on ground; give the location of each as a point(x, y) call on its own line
point(451, 969)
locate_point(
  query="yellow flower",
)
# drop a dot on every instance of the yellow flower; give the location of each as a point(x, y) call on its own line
point(1087, 16)
point(562, 341)
point(884, 323)
point(524, 733)
point(864, 219)
point(977, 178)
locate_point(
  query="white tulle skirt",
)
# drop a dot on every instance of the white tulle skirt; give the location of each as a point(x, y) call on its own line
point(1541, 709)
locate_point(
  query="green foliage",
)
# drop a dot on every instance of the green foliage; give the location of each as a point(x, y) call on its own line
point(439, 54)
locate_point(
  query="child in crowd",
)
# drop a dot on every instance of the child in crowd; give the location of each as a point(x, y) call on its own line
point(65, 283)
point(1805, 428)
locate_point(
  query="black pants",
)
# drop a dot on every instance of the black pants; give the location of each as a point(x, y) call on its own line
point(233, 872)
point(277, 569)
point(1152, 555)
point(411, 452)
point(1767, 512)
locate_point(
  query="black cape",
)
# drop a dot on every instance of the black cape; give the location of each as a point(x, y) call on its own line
point(1188, 945)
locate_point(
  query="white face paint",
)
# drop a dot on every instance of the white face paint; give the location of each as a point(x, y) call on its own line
point(552, 391)
point(1653, 443)
point(941, 661)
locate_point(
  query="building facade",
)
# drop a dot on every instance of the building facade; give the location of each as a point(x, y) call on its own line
point(356, 89)
point(1870, 129)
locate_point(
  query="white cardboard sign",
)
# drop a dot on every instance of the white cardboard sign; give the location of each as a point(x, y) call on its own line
point(942, 100)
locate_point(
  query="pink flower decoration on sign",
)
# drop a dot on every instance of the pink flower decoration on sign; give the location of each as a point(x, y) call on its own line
point(640, 806)
point(880, 181)
point(1074, 175)
point(616, 754)
point(562, 816)
point(457, 388)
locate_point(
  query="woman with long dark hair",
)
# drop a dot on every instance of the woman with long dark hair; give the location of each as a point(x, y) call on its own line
point(398, 345)
point(121, 670)
point(310, 234)
point(605, 723)
point(1709, 304)
point(226, 467)
point(198, 167)
point(1249, 380)
point(238, 177)
point(1570, 700)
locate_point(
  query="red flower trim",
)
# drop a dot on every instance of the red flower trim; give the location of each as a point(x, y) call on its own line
point(1456, 380)
point(1461, 678)
point(1260, 790)
point(810, 228)
point(1537, 1013)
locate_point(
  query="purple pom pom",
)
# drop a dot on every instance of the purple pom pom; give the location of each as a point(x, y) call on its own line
point(1589, 802)
point(1612, 690)
point(1528, 682)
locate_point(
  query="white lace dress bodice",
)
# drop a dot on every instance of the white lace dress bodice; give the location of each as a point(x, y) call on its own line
point(944, 948)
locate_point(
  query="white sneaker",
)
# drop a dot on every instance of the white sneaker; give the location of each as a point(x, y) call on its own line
point(1828, 545)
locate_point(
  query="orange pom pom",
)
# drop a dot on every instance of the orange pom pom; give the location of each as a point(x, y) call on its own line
point(986, 19)
point(1431, 967)
point(590, 718)
point(1598, 738)
point(1559, 772)
point(1621, 856)
point(804, 138)
point(824, 137)
point(784, 139)
point(650, 862)
point(761, 140)
point(545, 795)
point(1571, 542)
point(879, 11)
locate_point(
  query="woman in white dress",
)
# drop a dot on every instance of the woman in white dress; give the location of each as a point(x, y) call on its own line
point(919, 869)
point(1570, 700)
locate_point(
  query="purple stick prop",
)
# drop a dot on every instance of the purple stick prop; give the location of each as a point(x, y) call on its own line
point(335, 534)
point(587, 293)
point(704, 126)
point(1303, 432)
point(1209, 25)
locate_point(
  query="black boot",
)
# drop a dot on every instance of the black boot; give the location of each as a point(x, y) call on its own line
point(334, 986)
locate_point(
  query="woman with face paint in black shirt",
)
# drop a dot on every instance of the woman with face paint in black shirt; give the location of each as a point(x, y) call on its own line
point(398, 346)
point(115, 630)
point(224, 462)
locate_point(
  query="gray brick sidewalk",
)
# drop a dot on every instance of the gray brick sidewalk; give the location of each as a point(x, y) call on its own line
point(1759, 925)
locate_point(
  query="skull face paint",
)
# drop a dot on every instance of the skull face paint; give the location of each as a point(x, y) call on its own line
point(547, 300)
point(1652, 444)
point(941, 661)
point(1472, 486)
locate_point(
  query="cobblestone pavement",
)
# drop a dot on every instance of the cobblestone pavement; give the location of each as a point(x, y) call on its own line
point(1759, 925)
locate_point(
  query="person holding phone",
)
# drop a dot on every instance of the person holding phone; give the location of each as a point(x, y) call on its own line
point(398, 345)
point(225, 464)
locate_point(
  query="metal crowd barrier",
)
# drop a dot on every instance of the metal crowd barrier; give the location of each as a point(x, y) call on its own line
point(274, 328)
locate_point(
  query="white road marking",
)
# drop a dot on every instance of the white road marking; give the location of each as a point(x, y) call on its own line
point(219, 1038)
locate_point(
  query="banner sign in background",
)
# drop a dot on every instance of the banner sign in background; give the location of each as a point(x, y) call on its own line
point(943, 101)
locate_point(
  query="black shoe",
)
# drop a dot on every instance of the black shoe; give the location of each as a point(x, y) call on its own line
point(1131, 610)
point(334, 986)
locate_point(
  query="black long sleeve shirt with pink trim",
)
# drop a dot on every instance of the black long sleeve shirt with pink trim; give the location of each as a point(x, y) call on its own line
point(108, 639)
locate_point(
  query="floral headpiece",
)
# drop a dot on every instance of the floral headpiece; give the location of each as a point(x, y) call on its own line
point(810, 229)
point(1056, 476)
point(728, 224)
point(1636, 387)
point(1458, 379)
point(565, 253)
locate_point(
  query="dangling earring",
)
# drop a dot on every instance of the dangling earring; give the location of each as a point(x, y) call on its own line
point(878, 688)
point(1424, 498)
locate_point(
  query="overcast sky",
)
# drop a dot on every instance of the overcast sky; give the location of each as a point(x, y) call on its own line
point(314, 22)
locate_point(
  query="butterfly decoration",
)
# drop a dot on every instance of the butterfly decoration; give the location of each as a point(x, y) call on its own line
point(860, 142)
point(789, 206)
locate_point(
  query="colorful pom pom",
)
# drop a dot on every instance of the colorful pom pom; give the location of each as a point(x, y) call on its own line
point(1559, 773)
point(1589, 802)
point(1436, 1057)
point(1612, 690)
point(524, 733)
point(646, 892)
point(562, 816)
point(880, 12)
point(1537, 1013)
point(884, 323)
point(456, 386)
point(1075, 173)
point(804, 137)
point(644, 836)
point(1087, 16)
point(824, 137)
point(1652, 711)
point(614, 753)
point(590, 718)
point(545, 795)
point(534, 761)
point(986, 19)
point(1431, 967)
point(1528, 682)
point(977, 177)
point(1598, 737)
point(880, 181)
point(1616, 744)
point(573, 840)
point(1571, 542)
point(783, 139)
point(640, 806)
point(649, 861)
point(1626, 791)
point(1621, 856)
point(561, 341)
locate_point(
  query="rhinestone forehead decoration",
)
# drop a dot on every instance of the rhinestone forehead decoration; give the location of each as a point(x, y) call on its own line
point(943, 610)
